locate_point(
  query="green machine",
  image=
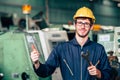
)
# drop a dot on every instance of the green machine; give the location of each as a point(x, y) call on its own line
point(15, 62)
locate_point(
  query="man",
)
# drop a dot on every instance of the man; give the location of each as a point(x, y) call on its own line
point(69, 55)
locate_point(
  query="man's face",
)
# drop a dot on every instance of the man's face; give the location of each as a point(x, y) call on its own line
point(83, 27)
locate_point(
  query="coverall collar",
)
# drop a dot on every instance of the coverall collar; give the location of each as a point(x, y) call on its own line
point(74, 41)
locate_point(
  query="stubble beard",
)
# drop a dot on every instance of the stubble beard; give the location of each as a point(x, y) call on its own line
point(83, 36)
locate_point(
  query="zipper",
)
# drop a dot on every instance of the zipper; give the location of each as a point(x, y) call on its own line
point(68, 68)
point(81, 62)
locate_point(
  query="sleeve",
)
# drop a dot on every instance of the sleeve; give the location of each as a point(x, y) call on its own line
point(43, 70)
point(50, 65)
point(105, 67)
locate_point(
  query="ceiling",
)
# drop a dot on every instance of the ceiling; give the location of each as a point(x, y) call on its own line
point(117, 0)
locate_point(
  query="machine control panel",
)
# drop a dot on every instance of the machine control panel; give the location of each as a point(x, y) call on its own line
point(117, 41)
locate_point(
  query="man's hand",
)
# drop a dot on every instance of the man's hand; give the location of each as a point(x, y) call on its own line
point(35, 56)
point(94, 71)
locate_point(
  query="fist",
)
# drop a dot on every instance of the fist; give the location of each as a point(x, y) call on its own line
point(34, 55)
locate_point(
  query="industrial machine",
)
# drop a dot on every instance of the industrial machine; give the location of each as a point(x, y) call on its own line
point(15, 48)
point(15, 62)
point(111, 41)
point(106, 39)
point(117, 41)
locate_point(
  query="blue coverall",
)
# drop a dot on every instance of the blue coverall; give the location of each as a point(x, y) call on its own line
point(67, 56)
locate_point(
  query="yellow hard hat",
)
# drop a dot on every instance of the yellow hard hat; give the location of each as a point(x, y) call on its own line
point(84, 12)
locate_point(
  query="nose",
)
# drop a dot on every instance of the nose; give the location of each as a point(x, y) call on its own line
point(83, 25)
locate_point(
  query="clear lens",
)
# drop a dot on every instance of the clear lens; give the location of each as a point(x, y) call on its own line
point(87, 25)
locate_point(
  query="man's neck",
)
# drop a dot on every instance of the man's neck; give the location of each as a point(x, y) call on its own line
point(81, 40)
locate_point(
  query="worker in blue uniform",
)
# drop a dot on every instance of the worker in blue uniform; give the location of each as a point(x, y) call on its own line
point(68, 55)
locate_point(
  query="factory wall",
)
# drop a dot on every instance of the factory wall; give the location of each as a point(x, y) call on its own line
point(62, 11)
point(107, 13)
point(15, 6)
